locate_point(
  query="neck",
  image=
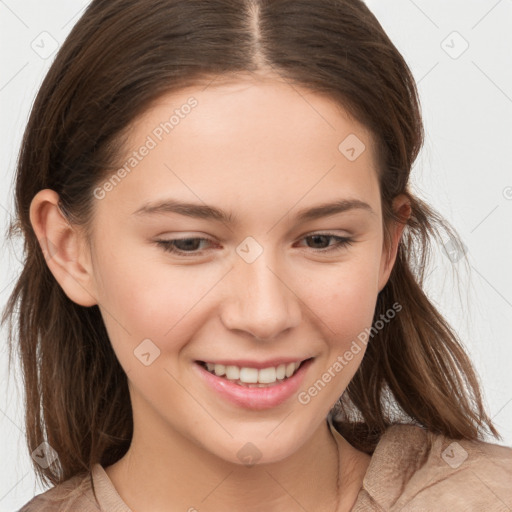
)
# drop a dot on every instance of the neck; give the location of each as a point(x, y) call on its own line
point(163, 470)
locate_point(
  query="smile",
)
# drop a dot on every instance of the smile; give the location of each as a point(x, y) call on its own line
point(253, 385)
point(253, 377)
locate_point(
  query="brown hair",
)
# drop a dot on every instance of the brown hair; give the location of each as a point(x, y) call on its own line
point(119, 58)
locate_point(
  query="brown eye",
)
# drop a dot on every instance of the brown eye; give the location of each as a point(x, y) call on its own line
point(182, 246)
point(323, 238)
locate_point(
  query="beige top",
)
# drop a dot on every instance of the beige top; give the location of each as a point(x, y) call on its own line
point(411, 469)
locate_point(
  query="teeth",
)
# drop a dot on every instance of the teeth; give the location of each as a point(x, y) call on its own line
point(254, 376)
point(249, 375)
point(232, 372)
point(219, 369)
point(290, 368)
point(266, 375)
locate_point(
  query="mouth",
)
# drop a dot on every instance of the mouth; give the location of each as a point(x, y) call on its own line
point(252, 377)
point(254, 385)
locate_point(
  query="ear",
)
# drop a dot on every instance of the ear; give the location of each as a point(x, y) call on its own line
point(66, 253)
point(402, 206)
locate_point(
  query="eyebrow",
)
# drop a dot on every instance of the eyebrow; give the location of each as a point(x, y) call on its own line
point(203, 211)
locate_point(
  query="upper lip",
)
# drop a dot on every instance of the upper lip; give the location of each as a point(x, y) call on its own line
point(247, 363)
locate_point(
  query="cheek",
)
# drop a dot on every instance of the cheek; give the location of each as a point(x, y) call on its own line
point(343, 296)
point(146, 299)
point(345, 303)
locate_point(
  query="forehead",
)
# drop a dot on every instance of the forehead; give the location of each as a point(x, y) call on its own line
point(249, 110)
point(246, 138)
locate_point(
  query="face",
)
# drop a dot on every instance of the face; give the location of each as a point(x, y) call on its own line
point(257, 285)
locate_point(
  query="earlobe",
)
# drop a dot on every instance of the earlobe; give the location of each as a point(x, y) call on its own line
point(63, 248)
point(402, 206)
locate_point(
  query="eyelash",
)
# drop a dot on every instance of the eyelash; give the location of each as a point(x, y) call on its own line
point(167, 245)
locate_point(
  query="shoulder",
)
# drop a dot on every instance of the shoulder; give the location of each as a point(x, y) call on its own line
point(414, 469)
point(69, 496)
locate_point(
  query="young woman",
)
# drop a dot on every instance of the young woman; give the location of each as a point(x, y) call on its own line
point(221, 304)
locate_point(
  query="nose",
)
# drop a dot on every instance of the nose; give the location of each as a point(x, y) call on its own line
point(261, 300)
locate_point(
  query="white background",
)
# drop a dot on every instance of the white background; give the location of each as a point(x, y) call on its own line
point(464, 170)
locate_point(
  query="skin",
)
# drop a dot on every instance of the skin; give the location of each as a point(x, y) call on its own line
point(263, 150)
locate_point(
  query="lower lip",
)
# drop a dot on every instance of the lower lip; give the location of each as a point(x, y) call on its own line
point(255, 398)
